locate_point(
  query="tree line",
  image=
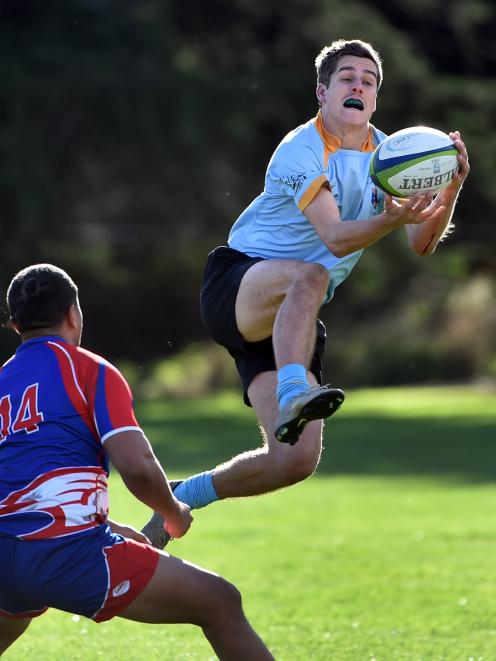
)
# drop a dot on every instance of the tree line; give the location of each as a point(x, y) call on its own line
point(133, 134)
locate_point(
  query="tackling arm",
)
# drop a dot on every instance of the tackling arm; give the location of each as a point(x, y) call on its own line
point(133, 457)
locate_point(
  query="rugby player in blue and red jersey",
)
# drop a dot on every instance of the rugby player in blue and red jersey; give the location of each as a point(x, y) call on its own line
point(64, 413)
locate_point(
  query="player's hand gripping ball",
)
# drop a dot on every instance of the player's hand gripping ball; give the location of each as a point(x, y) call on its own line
point(414, 160)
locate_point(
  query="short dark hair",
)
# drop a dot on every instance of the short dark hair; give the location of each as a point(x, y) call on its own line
point(39, 297)
point(326, 61)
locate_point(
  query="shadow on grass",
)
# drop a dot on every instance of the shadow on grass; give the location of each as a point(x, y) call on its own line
point(458, 447)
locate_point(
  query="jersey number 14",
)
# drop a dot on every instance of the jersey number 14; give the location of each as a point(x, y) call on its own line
point(28, 416)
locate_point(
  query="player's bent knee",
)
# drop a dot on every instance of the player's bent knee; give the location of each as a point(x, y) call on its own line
point(299, 471)
point(225, 604)
point(313, 275)
point(297, 465)
point(231, 598)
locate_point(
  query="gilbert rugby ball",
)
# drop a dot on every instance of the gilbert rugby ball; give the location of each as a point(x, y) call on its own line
point(414, 160)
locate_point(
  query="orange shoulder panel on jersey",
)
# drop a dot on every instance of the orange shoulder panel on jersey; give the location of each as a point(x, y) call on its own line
point(312, 191)
point(331, 144)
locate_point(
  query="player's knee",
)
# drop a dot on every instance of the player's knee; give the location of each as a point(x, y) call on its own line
point(225, 603)
point(313, 276)
point(299, 471)
point(231, 598)
point(299, 464)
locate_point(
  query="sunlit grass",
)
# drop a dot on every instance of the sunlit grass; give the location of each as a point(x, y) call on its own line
point(418, 401)
point(386, 554)
point(423, 402)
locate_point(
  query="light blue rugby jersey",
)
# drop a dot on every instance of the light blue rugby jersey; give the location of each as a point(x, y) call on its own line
point(273, 225)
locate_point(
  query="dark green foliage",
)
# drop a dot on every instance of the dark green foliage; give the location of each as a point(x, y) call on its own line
point(133, 133)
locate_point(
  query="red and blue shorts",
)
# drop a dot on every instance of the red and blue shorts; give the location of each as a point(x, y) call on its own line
point(95, 573)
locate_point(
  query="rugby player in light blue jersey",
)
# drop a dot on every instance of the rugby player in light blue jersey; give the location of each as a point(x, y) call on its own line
point(286, 254)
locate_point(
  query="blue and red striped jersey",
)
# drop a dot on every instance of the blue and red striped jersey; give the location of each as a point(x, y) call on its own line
point(58, 405)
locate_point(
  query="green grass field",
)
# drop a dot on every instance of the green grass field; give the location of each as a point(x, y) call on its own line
point(388, 553)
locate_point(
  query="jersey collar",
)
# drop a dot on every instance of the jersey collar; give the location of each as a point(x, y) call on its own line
point(333, 143)
point(40, 339)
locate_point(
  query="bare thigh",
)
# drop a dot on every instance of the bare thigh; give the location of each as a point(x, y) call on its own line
point(10, 630)
point(261, 293)
point(179, 592)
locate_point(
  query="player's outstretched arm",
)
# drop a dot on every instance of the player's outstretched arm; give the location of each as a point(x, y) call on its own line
point(133, 457)
point(343, 237)
point(424, 238)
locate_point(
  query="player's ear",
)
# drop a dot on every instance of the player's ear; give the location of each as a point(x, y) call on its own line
point(320, 93)
point(73, 315)
point(12, 326)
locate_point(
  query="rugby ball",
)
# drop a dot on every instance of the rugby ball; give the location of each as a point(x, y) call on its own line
point(414, 160)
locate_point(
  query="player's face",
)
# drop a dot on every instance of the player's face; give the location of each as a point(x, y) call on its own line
point(350, 98)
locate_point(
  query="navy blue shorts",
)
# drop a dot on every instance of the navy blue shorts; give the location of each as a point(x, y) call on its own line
point(94, 573)
point(224, 271)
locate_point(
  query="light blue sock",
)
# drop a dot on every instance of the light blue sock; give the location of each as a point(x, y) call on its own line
point(291, 381)
point(197, 491)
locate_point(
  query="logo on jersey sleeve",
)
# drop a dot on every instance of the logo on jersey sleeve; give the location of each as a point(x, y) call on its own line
point(294, 181)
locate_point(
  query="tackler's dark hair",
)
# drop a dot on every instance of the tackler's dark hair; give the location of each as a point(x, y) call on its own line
point(39, 297)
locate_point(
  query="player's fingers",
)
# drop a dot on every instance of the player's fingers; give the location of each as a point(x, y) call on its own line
point(144, 540)
point(139, 537)
point(463, 164)
point(169, 530)
point(421, 202)
point(388, 202)
point(176, 533)
point(434, 212)
point(425, 200)
point(179, 529)
point(462, 155)
point(462, 149)
point(427, 213)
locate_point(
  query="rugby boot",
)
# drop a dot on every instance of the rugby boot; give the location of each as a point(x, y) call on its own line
point(315, 403)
